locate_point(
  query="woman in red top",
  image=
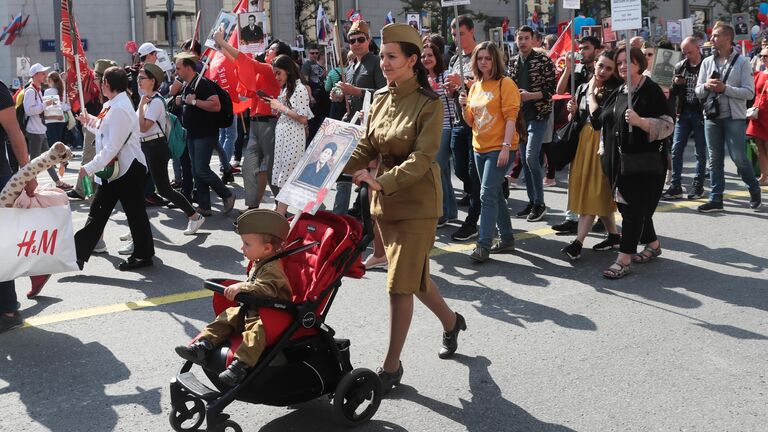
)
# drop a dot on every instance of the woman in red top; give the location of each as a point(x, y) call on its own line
point(758, 128)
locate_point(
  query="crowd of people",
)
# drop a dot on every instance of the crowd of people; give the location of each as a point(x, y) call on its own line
point(490, 119)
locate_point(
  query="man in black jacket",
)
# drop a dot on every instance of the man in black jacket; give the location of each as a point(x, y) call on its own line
point(689, 120)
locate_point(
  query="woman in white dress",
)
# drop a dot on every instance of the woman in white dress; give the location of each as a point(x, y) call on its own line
point(293, 108)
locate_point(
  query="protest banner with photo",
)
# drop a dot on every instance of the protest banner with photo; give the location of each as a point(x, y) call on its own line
point(741, 27)
point(626, 14)
point(227, 21)
point(320, 166)
point(674, 32)
point(257, 5)
point(596, 31)
point(608, 34)
point(164, 61)
point(413, 19)
point(253, 32)
point(22, 67)
point(496, 37)
point(663, 70)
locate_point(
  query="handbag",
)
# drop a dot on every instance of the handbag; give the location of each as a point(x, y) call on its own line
point(70, 120)
point(36, 241)
point(754, 112)
point(112, 171)
point(565, 142)
point(647, 163)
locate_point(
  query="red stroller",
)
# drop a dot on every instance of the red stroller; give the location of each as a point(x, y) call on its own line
point(303, 360)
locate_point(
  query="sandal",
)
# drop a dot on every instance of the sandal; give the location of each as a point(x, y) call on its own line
point(617, 270)
point(646, 255)
point(64, 186)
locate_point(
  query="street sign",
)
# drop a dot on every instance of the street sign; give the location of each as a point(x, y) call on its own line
point(449, 3)
point(571, 4)
point(626, 14)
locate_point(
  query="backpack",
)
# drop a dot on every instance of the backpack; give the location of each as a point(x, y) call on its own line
point(226, 115)
point(174, 132)
point(21, 114)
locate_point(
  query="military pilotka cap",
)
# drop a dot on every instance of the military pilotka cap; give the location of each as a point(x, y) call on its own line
point(101, 65)
point(359, 26)
point(401, 32)
point(187, 55)
point(154, 71)
point(262, 221)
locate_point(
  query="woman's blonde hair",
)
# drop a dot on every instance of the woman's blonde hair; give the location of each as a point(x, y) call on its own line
point(497, 70)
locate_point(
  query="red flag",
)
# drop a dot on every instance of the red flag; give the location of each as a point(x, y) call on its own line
point(561, 48)
point(223, 71)
point(90, 89)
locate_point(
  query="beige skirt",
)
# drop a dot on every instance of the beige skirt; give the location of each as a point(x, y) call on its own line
point(407, 244)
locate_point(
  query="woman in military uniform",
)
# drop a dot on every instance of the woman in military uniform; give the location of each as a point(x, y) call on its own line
point(404, 129)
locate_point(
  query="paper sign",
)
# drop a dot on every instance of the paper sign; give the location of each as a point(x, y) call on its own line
point(225, 20)
point(571, 4)
point(674, 32)
point(449, 3)
point(164, 61)
point(626, 14)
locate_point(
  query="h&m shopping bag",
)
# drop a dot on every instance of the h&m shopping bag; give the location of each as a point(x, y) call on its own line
point(36, 241)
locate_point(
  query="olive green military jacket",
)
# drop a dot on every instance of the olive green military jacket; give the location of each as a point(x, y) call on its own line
point(404, 129)
point(268, 280)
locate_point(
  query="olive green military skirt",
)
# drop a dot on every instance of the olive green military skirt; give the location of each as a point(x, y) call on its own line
point(407, 244)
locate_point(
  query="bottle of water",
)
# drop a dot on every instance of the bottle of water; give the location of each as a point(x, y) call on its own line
point(87, 186)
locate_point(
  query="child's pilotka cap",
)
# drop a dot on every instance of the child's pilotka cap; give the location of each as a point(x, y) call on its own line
point(262, 221)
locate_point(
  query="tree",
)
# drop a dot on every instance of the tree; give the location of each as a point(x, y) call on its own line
point(305, 13)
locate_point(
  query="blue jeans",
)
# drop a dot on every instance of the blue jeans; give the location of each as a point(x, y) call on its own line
point(200, 151)
point(227, 138)
point(450, 209)
point(466, 171)
point(494, 211)
point(689, 122)
point(7, 288)
point(530, 154)
point(733, 134)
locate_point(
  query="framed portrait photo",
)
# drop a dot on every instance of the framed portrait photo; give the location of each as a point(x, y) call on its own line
point(321, 165)
point(663, 70)
point(741, 27)
point(227, 21)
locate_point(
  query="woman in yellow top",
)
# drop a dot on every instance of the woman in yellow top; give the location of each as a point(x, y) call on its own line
point(404, 129)
point(491, 110)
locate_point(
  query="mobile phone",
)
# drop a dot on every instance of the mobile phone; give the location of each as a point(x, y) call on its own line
point(714, 75)
point(262, 94)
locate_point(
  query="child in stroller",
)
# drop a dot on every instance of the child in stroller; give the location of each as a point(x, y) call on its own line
point(263, 233)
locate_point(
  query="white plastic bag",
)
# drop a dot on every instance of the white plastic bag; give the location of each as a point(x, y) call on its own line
point(36, 241)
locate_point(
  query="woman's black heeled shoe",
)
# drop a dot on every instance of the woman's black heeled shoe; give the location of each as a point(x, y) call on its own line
point(389, 380)
point(451, 338)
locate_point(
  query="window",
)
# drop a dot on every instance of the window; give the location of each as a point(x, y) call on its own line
point(155, 23)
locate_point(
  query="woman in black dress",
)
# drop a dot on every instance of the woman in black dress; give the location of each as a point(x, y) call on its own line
point(634, 158)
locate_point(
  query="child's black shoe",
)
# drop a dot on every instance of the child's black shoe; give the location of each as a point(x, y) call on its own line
point(234, 373)
point(197, 352)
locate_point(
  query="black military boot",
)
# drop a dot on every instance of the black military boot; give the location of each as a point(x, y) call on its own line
point(234, 373)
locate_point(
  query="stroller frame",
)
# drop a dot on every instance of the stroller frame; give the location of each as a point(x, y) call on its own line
point(208, 404)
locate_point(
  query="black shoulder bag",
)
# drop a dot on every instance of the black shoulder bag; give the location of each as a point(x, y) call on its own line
point(711, 105)
point(566, 139)
point(645, 163)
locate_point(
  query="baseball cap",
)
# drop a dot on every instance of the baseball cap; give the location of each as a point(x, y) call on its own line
point(147, 48)
point(37, 68)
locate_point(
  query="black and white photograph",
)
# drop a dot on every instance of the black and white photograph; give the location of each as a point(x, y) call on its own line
point(298, 43)
point(663, 69)
point(250, 29)
point(225, 20)
point(596, 31)
point(496, 37)
point(256, 5)
point(674, 32)
point(321, 165)
point(741, 26)
point(414, 20)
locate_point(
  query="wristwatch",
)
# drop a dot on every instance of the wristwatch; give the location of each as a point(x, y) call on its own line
point(194, 102)
point(506, 144)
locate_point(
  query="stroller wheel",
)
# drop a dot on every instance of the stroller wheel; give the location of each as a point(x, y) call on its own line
point(228, 426)
point(357, 397)
point(188, 416)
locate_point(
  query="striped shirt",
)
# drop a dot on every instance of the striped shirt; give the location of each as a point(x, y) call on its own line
point(449, 111)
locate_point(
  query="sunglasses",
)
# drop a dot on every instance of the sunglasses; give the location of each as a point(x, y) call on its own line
point(359, 40)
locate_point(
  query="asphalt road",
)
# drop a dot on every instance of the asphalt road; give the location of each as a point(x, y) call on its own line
point(679, 345)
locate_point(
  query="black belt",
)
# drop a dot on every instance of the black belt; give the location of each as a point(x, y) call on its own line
point(263, 118)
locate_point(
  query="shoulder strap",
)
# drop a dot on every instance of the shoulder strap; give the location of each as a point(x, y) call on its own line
point(730, 68)
point(158, 96)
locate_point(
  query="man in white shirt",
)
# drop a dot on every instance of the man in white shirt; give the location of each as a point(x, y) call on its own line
point(34, 122)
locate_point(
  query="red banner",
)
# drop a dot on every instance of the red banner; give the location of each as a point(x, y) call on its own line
point(90, 89)
point(561, 48)
point(223, 71)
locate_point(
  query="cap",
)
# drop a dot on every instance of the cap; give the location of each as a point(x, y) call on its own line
point(186, 55)
point(401, 32)
point(147, 48)
point(262, 221)
point(359, 26)
point(102, 65)
point(155, 71)
point(37, 68)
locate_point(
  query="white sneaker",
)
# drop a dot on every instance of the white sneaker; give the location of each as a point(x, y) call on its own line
point(101, 247)
point(194, 224)
point(127, 249)
point(126, 237)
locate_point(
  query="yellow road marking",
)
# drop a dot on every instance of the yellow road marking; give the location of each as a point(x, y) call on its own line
point(194, 295)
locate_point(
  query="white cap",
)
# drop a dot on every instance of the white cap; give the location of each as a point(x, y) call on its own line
point(146, 49)
point(37, 68)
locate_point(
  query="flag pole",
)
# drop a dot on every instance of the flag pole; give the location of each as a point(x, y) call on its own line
point(459, 51)
point(75, 42)
point(340, 58)
point(197, 30)
point(629, 74)
point(573, 53)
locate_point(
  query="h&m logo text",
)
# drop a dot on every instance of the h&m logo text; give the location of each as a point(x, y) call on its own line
point(30, 245)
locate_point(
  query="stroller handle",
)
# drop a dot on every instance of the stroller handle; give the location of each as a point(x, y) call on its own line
point(248, 299)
